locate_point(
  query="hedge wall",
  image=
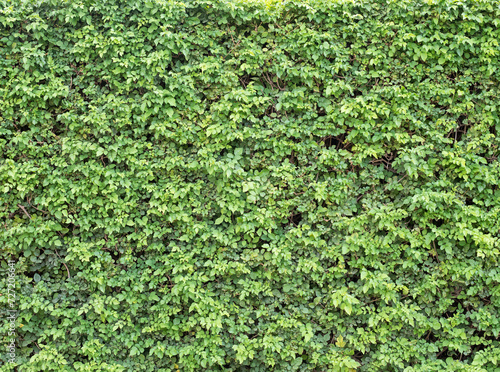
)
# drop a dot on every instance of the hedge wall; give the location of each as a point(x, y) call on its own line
point(213, 185)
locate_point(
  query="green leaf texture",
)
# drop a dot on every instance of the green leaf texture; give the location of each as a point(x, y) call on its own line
point(218, 185)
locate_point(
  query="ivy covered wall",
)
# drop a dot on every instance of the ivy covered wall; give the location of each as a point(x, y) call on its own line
point(214, 185)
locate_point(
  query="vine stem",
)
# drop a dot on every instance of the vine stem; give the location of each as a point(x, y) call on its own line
point(69, 276)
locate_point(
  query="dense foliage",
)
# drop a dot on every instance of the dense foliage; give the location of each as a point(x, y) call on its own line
point(213, 185)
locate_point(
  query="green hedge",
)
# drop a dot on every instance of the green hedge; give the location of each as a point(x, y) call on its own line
point(213, 185)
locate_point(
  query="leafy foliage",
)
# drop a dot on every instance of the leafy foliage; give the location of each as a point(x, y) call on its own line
point(213, 185)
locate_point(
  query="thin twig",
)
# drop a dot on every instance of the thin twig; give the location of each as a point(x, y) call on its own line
point(39, 210)
point(69, 276)
point(24, 210)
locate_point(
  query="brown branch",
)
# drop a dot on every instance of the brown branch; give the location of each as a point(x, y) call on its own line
point(69, 276)
point(24, 210)
point(39, 210)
